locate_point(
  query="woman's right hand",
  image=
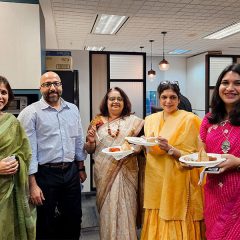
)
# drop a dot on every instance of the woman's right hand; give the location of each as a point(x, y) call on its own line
point(91, 135)
point(8, 167)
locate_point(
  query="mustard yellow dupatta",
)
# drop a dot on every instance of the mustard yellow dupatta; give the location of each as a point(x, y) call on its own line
point(168, 186)
point(172, 198)
point(17, 217)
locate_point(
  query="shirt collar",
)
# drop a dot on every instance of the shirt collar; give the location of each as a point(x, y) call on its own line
point(45, 105)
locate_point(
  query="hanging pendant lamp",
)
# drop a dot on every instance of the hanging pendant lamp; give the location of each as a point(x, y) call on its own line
point(164, 65)
point(151, 72)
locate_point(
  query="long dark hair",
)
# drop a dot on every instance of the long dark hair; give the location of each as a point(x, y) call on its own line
point(219, 111)
point(127, 104)
point(5, 82)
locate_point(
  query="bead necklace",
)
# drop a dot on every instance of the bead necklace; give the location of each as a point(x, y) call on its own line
point(113, 135)
point(226, 146)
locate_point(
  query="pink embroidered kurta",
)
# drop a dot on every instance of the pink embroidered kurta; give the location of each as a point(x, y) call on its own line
point(222, 191)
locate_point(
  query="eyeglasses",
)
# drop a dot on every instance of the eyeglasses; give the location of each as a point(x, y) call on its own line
point(49, 84)
point(169, 82)
point(112, 99)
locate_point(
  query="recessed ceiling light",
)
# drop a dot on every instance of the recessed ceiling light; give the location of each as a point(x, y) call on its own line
point(94, 48)
point(108, 24)
point(179, 51)
point(225, 32)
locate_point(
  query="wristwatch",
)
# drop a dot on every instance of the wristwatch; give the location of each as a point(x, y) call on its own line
point(170, 151)
point(82, 169)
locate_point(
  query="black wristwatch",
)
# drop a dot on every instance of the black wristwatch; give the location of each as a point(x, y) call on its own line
point(82, 169)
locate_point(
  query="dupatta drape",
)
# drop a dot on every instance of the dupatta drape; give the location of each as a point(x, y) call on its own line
point(17, 217)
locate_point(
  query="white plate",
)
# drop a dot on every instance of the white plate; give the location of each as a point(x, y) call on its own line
point(119, 154)
point(141, 141)
point(194, 157)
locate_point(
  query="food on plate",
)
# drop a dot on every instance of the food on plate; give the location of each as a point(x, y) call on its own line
point(114, 149)
point(126, 146)
point(202, 156)
point(212, 158)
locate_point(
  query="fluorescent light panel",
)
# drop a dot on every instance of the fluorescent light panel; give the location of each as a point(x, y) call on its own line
point(179, 51)
point(108, 24)
point(225, 32)
point(94, 48)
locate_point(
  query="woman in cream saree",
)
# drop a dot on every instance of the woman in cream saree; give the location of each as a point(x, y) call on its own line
point(116, 181)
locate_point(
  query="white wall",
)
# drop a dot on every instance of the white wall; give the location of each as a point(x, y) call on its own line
point(81, 63)
point(20, 49)
point(195, 89)
point(176, 72)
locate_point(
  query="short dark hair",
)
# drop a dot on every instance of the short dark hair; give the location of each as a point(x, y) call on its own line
point(173, 85)
point(219, 111)
point(127, 104)
point(4, 81)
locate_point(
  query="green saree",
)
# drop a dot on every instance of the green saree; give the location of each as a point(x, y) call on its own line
point(17, 217)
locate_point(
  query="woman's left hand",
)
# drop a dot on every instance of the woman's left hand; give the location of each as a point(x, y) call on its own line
point(8, 167)
point(231, 162)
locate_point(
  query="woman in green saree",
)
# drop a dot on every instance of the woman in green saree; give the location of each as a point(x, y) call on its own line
point(17, 217)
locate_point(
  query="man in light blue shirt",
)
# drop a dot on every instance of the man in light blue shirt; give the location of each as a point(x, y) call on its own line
point(55, 132)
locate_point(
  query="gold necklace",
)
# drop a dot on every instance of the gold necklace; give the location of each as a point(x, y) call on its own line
point(113, 135)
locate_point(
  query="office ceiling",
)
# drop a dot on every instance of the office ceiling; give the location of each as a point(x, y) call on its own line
point(68, 24)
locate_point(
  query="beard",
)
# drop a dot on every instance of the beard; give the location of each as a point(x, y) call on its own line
point(52, 96)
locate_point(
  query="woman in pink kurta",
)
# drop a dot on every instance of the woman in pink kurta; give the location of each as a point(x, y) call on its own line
point(220, 133)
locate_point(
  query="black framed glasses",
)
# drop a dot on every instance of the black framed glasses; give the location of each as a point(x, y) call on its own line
point(49, 84)
point(169, 83)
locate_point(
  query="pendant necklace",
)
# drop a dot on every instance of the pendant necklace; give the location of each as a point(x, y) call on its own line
point(113, 135)
point(226, 146)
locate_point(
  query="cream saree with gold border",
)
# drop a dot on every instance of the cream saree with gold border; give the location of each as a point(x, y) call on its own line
point(116, 182)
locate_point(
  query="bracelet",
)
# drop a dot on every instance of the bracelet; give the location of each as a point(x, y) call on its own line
point(82, 169)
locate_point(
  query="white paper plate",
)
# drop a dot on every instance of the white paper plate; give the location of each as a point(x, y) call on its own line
point(141, 141)
point(194, 156)
point(119, 154)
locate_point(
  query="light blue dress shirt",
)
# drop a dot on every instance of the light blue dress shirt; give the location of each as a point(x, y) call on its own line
point(55, 135)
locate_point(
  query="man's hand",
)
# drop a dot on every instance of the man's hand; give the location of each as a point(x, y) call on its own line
point(82, 172)
point(83, 176)
point(36, 194)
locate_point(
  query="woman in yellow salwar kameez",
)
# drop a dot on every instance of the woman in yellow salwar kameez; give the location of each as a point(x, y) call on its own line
point(116, 181)
point(17, 217)
point(172, 197)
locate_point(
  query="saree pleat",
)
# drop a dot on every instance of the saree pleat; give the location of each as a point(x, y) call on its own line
point(157, 228)
point(117, 183)
point(17, 217)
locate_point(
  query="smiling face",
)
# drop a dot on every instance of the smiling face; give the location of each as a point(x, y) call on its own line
point(169, 101)
point(51, 88)
point(229, 89)
point(115, 103)
point(4, 96)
